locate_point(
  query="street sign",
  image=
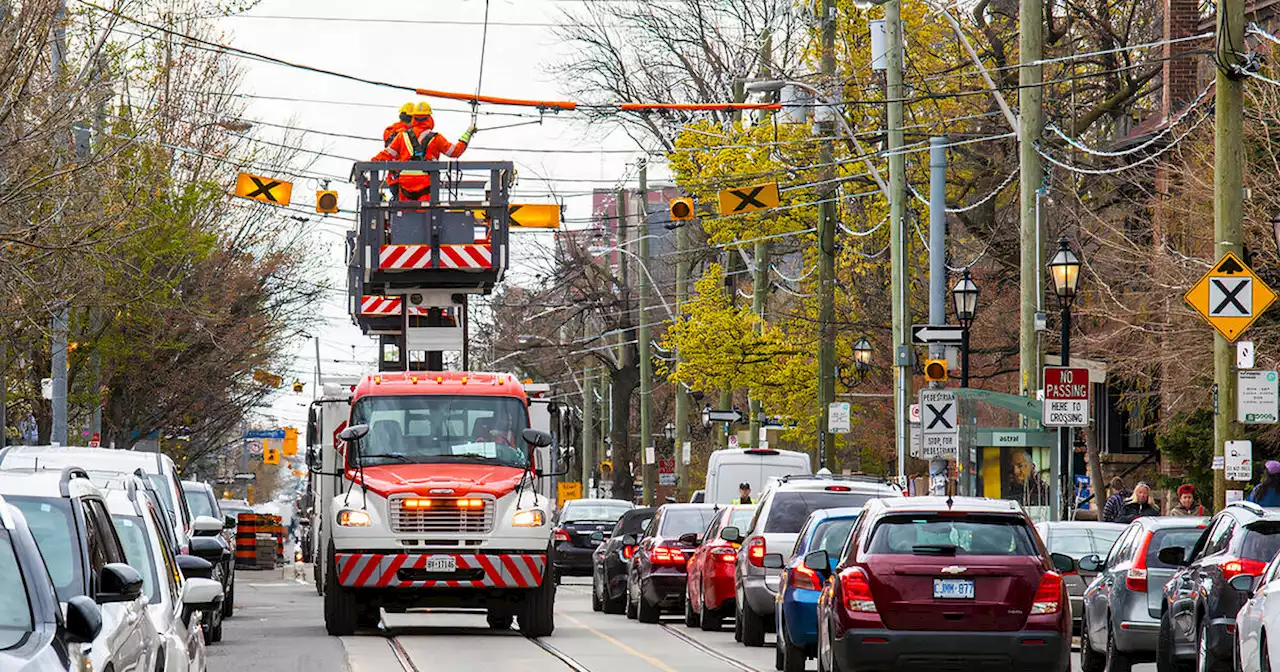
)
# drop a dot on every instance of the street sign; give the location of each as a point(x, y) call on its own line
point(749, 199)
point(1230, 297)
point(732, 417)
point(1257, 397)
point(939, 430)
point(1244, 354)
point(1239, 463)
point(271, 455)
point(1066, 397)
point(246, 476)
point(838, 421)
point(534, 215)
point(264, 189)
point(256, 449)
point(913, 414)
point(667, 472)
point(568, 490)
point(733, 440)
point(264, 434)
point(925, 334)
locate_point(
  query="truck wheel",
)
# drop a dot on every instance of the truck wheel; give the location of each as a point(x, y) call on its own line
point(538, 616)
point(339, 605)
point(369, 616)
point(498, 621)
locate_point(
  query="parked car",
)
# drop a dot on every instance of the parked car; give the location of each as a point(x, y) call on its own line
point(951, 583)
point(1200, 604)
point(1258, 622)
point(797, 611)
point(1078, 539)
point(1120, 610)
point(709, 580)
point(656, 571)
point(34, 634)
point(611, 559)
point(68, 517)
point(783, 508)
point(173, 600)
point(210, 522)
point(575, 523)
point(731, 467)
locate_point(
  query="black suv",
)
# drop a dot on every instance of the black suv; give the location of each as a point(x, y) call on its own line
point(1198, 615)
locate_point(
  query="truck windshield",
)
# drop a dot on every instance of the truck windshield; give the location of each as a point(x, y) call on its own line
point(442, 429)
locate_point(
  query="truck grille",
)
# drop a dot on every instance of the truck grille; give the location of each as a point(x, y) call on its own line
point(444, 516)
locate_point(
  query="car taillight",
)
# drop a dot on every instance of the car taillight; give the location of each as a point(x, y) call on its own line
point(803, 577)
point(855, 588)
point(560, 535)
point(1049, 594)
point(755, 551)
point(628, 551)
point(1231, 568)
point(725, 554)
point(1136, 579)
point(663, 555)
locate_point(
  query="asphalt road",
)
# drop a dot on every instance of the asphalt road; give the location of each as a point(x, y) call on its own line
point(278, 627)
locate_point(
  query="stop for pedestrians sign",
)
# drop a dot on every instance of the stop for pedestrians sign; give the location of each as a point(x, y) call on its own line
point(1066, 397)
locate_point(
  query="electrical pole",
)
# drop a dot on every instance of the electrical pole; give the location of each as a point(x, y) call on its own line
point(937, 240)
point(316, 391)
point(760, 273)
point(681, 420)
point(899, 284)
point(61, 317)
point(588, 429)
point(1228, 190)
point(826, 237)
point(642, 336)
point(1031, 116)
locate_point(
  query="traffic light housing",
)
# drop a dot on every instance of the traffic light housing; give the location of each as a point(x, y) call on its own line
point(297, 386)
point(326, 201)
point(681, 209)
point(606, 470)
point(271, 455)
point(935, 370)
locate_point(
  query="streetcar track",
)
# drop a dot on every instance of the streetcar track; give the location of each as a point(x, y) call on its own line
point(407, 664)
point(707, 649)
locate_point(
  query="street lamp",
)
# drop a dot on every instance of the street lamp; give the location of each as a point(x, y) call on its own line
point(862, 356)
point(1064, 270)
point(965, 296)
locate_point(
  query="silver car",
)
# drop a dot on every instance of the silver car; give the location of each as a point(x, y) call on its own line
point(1077, 539)
point(1120, 619)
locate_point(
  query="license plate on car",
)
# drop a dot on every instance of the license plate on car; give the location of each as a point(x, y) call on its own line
point(442, 563)
point(952, 589)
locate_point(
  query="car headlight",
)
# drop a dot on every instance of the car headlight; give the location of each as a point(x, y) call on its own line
point(528, 518)
point(354, 518)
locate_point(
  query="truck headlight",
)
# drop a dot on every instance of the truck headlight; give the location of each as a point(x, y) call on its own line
point(528, 518)
point(354, 518)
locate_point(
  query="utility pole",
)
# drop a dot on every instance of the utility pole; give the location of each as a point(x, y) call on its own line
point(642, 336)
point(1030, 125)
point(1228, 190)
point(588, 429)
point(316, 391)
point(760, 273)
point(826, 237)
point(61, 317)
point(899, 284)
point(937, 240)
point(682, 395)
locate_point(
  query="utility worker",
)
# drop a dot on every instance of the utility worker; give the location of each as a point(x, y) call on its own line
point(389, 133)
point(744, 494)
point(420, 142)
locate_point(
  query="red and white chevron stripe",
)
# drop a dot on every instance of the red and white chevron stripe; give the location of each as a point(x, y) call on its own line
point(377, 570)
point(404, 257)
point(466, 256)
point(387, 306)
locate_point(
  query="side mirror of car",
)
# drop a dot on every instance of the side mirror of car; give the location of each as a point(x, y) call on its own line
point(690, 538)
point(1173, 555)
point(1243, 583)
point(630, 540)
point(84, 620)
point(1089, 563)
point(731, 534)
point(202, 594)
point(354, 433)
point(206, 526)
point(818, 561)
point(772, 561)
point(209, 548)
point(229, 522)
point(194, 567)
point(1063, 563)
point(536, 437)
point(118, 582)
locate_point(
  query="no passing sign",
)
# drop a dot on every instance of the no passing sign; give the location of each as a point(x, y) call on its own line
point(1066, 397)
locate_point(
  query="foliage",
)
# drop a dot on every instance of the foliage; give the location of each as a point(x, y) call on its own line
point(1188, 441)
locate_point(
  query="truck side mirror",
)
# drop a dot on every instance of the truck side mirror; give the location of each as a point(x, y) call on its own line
point(536, 437)
point(354, 433)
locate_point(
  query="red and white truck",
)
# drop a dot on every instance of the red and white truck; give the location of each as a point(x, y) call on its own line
point(428, 493)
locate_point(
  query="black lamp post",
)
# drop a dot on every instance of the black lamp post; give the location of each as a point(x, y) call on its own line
point(965, 296)
point(862, 356)
point(1064, 270)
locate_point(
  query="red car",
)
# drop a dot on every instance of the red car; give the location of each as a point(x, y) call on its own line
point(943, 584)
point(709, 594)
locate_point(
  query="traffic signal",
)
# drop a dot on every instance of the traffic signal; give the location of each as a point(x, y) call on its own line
point(290, 445)
point(681, 209)
point(606, 470)
point(297, 386)
point(271, 456)
point(935, 370)
point(326, 201)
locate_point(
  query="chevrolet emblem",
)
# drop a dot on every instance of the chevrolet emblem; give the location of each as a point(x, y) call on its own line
point(954, 569)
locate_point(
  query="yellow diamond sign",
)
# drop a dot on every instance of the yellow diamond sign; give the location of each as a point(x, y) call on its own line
point(1230, 297)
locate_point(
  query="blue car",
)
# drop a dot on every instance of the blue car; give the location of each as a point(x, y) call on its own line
point(796, 611)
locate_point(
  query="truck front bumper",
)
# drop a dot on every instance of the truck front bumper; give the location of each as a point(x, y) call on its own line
point(408, 570)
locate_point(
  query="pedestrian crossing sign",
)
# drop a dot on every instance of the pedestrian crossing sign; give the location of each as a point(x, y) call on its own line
point(1230, 297)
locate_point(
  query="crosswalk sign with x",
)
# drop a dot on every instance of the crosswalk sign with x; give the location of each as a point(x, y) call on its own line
point(1230, 296)
point(264, 189)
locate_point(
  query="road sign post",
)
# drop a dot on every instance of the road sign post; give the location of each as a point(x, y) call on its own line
point(939, 428)
point(1066, 397)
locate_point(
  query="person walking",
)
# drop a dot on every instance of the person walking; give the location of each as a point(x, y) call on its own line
point(1187, 505)
point(1138, 505)
point(1267, 493)
point(1118, 496)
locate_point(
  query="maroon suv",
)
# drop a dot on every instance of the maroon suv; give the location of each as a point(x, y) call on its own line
point(943, 584)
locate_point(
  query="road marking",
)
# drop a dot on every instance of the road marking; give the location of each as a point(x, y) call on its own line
point(648, 659)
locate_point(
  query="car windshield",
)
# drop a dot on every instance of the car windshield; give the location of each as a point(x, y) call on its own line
point(1183, 538)
point(137, 550)
point(442, 429)
point(54, 528)
point(594, 512)
point(831, 535)
point(933, 534)
point(677, 522)
point(1261, 542)
point(15, 609)
point(200, 503)
point(789, 510)
point(1079, 542)
point(741, 518)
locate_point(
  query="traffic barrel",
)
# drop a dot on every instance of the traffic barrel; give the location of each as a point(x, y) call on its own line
point(246, 540)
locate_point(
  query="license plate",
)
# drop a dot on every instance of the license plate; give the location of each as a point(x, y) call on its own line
point(442, 563)
point(952, 589)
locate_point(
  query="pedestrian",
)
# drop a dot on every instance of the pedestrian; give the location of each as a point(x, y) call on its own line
point(1138, 505)
point(1187, 505)
point(744, 494)
point(1115, 501)
point(1267, 493)
point(420, 142)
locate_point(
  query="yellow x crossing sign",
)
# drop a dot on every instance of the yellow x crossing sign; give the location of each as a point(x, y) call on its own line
point(264, 189)
point(1230, 296)
point(749, 199)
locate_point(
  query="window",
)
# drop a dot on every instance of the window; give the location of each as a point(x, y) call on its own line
point(676, 522)
point(790, 509)
point(593, 512)
point(111, 548)
point(183, 512)
point(1220, 536)
point(1118, 549)
point(831, 535)
point(200, 504)
point(1075, 543)
point(1261, 542)
point(53, 525)
point(1104, 538)
point(632, 525)
point(741, 518)
point(15, 607)
point(137, 550)
point(173, 580)
point(1184, 538)
point(442, 429)
point(933, 534)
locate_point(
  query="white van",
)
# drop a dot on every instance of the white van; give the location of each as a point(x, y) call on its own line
point(732, 466)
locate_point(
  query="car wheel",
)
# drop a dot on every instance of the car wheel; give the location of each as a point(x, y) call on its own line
point(1117, 661)
point(1264, 655)
point(709, 618)
point(597, 604)
point(646, 612)
point(737, 621)
point(613, 605)
point(1204, 663)
point(691, 619)
point(790, 658)
point(1090, 659)
point(229, 600)
point(1165, 660)
point(752, 627)
point(631, 604)
point(213, 633)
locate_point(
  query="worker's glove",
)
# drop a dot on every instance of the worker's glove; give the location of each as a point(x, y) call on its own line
point(466, 137)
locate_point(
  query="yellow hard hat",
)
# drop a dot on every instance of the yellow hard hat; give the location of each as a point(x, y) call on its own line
point(407, 108)
point(422, 110)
